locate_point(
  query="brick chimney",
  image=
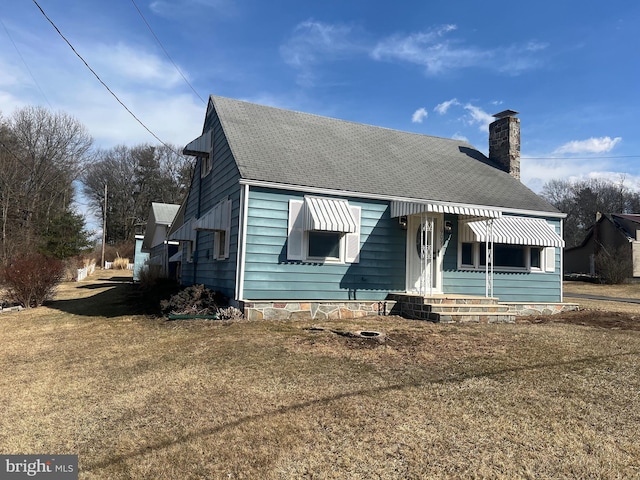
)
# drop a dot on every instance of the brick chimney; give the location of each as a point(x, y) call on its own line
point(504, 142)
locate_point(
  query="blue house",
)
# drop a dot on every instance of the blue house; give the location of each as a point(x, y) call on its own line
point(293, 214)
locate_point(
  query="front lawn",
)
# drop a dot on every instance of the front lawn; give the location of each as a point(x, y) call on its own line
point(141, 398)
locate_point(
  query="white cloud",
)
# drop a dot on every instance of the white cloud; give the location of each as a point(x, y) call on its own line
point(186, 8)
point(479, 117)
point(313, 42)
point(134, 64)
point(419, 115)
point(439, 54)
point(459, 136)
point(430, 50)
point(590, 145)
point(443, 107)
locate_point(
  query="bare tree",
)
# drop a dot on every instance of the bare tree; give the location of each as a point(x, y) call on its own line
point(43, 154)
point(582, 199)
point(135, 176)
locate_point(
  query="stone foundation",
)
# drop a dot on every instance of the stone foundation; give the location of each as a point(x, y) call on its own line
point(522, 308)
point(323, 310)
point(408, 306)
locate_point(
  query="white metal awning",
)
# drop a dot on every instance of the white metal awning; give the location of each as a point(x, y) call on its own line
point(200, 147)
point(216, 219)
point(328, 214)
point(212, 220)
point(186, 232)
point(518, 231)
point(399, 209)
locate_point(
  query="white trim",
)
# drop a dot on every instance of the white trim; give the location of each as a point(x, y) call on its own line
point(389, 198)
point(242, 239)
point(401, 209)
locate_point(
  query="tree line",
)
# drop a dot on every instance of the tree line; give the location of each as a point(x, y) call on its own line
point(45, 156)
point(582, 199)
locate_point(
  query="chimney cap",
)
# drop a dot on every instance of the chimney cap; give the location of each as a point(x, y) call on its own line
point(506, 113)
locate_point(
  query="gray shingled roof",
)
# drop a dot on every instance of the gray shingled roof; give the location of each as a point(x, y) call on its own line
point(288, 147)
point(164, 213)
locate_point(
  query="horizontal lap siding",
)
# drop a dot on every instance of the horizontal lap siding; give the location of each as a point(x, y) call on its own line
point(507, 286)
point(205, 193)
point(268, 274)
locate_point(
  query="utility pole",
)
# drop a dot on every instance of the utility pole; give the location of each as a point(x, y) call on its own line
point(104, 224)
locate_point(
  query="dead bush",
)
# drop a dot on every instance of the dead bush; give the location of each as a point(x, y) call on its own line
point(194, 300)
point(614, 266)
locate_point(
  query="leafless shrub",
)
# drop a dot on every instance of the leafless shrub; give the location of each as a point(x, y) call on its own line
point(614, 266)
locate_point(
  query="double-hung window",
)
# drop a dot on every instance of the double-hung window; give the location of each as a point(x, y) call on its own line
point(323, 230)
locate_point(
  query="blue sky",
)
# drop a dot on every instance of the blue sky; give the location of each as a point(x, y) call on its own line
point(571, 68)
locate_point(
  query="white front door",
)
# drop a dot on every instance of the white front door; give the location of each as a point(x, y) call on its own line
point(424, 245)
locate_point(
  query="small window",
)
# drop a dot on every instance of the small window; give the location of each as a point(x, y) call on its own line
point(324, 245)
point(535, 258)
point(221, 247)
point(206, 163)
point(467, 254)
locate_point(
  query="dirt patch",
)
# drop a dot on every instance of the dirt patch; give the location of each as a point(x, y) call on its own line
point(592, 318)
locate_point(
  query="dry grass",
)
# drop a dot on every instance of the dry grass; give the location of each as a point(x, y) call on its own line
point(628, 290)
point(142, 398)
point(120, 263)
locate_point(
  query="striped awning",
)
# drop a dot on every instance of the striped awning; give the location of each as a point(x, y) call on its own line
point(518, 231)
point(399, 209)
point(328, 215)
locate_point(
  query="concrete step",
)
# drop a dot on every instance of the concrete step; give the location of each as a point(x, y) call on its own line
point(467, 308)
point(474, 317)
point(460, 300)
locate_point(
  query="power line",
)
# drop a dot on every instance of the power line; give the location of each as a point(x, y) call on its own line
point(581, 158)
point(100, 80)
point(25, 64)
point(165, 52)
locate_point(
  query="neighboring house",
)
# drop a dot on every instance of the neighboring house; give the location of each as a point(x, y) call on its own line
point(613, 233)
point(155, 241)
point(292, 211)
point(140, 259)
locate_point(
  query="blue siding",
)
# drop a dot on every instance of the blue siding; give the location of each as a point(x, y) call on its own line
point(204, 194)
point(140, 260)
point(507, 286)
point(268, 274)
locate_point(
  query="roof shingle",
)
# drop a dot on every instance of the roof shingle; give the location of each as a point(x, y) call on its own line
point(288, 147)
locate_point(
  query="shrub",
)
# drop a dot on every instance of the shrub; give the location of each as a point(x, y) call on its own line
point(32, 279)
point(148, 276)
point(614, 266)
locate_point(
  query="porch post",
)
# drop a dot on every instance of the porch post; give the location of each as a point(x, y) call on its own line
point(489, 259)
